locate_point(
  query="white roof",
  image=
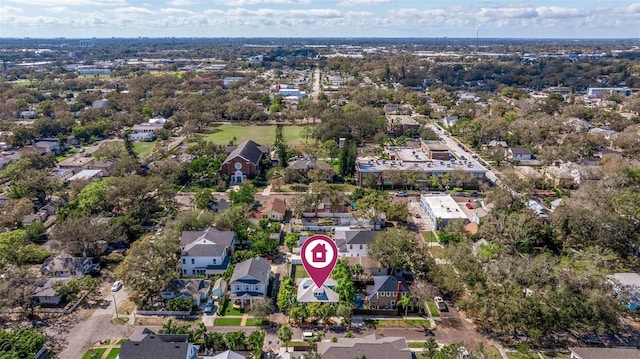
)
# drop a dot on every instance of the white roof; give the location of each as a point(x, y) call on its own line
point(443, 206)
point(85, 174)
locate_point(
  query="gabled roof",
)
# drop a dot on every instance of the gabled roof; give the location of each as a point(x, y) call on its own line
point(360, 237)
point(371, 346)
point(385, 283)
point(248, 150)
point(229, 354)
point(256, 269)
point(308, 292)
point(520, 151)
point(211, 234)
point(275, 204)
point(204, 250)
point(156, 346)
point(307, 164)
point(64, 263)
point(191, 287)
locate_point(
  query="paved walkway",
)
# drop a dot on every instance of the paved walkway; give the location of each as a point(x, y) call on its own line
point(267, 191)
point(243, 322)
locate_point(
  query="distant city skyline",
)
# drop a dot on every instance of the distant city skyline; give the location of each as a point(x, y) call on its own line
point(319, 18)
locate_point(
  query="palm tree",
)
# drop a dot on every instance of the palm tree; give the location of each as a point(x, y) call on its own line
point(284, 334)
point(405, 301)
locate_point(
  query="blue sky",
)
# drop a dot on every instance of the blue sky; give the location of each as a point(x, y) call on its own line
point(320, 18)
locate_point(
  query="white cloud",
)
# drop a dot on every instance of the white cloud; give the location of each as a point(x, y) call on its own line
point(232, 3)
point(361, 2)
point(71, 2)
point(58, 10)
point(6, 10)
point(180, 3)
point(172, 10)
point(133, 10)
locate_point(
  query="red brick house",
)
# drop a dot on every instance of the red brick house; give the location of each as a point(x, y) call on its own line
point(244, 161)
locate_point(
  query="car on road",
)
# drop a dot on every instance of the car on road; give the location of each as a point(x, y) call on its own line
point(401, 194)
point(469, 205)
point(116, 286)
point(442, 306)
point(208, 308)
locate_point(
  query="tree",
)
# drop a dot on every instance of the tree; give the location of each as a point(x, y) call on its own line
point(235, 340)
point(180, 304)
point(281, 146)
point(284, 334)
point(244, 195)
point(405, 302)
point(15, 249)
point(20, 343)
point(325, 312)
point(396, 248)
point(85, 235)
point(372, 205)
point(347, 159)
point(286, 295)
point(261, 309)
point(203, 198)
point(291, 240)
point(255, 342)
point(144, 268)
point(331, 149)
point(430, 348)
point(345, 311)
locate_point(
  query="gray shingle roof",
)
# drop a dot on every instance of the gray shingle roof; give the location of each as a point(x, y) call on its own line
point(156, 346)
point(248, 150)
point(257, 268)
point(385, 283)
point(203, 250)
point(306, 164)
point(371, 346)
point(210, 233)
point(229, 354)
point(309, 293)
point(360, 237)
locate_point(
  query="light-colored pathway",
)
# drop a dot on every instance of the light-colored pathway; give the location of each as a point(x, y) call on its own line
point(243, 322)
point(267, 191)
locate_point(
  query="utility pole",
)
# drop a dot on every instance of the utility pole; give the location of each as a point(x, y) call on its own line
point(115, 305)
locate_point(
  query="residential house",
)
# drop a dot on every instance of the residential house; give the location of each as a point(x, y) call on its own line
point(158, 120)
point(529, 174)
point(629, 283)
point(274, 209)
point(353, 243)
point(519, 154)
point(64, 265)
point(608, 353)
point(402, 125)
point(106, 166)
point(304, 166)
point(370, 267)
point(244, 161)
point(76, 163)
point(86, 175)
point(152, 345)
point(219, 288)
point(62, 175)
point(144, 131)
point(308, 292)
point(371, 346)
point(385, 292)
point(27, 115)
point(206, 252)
point(450, 121)
point(50, 144)
point(559, 177)
point(99, 103)
point(250, 280)
point(229, 354)
point(47, 292)
point(606, 133)
point(195, 289)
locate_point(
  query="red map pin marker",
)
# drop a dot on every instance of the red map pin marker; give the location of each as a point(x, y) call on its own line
point(319, 255)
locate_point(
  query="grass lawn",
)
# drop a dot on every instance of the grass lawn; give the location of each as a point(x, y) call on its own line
point(94, 353)
point(429, 237)
point(121, 321)
point(122, 341)
point(228, 309)
point(529, 355)
point(227, 322)
point(300, 272)
point(401, 323)
point(143, 148)
point(263, 135)
point(491, 352)
point(253, 322)
point(436, 251)
point(416, 345)
point(433, 309)
point(113, 354)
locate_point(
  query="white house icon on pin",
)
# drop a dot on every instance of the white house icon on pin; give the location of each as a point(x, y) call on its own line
point(319, 253)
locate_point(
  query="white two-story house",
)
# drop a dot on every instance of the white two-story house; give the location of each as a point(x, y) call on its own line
point(206, 252)
point(353, 243)
point(250, 281)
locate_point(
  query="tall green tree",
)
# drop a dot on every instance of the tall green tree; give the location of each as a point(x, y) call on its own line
point(284, 334)
point(281, 146)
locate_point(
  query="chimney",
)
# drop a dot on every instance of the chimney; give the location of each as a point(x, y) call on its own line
point(399, 296)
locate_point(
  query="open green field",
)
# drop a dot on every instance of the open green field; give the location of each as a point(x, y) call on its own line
point(143, 148)
point(263, 135)
point(429, 237)
point(222, 321)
